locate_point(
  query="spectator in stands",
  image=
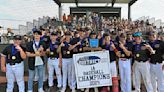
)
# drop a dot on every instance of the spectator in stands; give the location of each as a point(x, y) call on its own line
point(34, 29)
point(25, 39)
point(64, 18)
point(10, 35)
point(161, 29)
point(69, 18)
point(1, 32)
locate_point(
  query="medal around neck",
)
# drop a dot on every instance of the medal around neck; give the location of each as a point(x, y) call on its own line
point(51, 53)
point(13, 57)
point(137, 55)
point(68, 52)
point(37, 52)
point(80, 49)
point(122, 55)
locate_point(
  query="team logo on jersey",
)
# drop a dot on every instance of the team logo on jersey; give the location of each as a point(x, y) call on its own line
point(157, 46)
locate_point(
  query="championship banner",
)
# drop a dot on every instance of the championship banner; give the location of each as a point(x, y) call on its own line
point(92, 69)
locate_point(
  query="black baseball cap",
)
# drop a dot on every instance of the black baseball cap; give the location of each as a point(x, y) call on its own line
point(17, 37)
point(37, 32)
point(54, 33)
point(152, 33)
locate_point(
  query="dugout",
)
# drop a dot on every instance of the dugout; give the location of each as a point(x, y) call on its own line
point(108, 13)
point(101, 11)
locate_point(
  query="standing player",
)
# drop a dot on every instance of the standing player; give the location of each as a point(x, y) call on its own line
point(65, 57)
point(125, 49)
point(35, 52)
point(53, 61)
point(78, 49)
point(141, 54)
point(114, 53)
point(89, 48)
point(156, 71)
point(12, 63)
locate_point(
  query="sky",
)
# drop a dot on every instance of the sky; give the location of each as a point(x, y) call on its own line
point(15, 12)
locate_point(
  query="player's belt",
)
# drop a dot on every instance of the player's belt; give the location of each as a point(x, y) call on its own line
point(141, 61)
point(156, 62)
point(13, 63)
point(53, 58)
point(123, 59)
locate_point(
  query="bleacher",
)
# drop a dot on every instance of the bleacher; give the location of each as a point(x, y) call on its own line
point(156, 22)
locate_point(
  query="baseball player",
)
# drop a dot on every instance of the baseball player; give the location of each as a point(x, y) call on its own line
point(141, 54)
point(79, 37)
point(125, 49)
point(156, 66)
point(65, 59)
point(12, 63)
point(35, 52)
point(53, 62)
point(114, 53)
point(87, 47)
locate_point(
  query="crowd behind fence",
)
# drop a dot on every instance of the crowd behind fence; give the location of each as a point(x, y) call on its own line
point(90, 22)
